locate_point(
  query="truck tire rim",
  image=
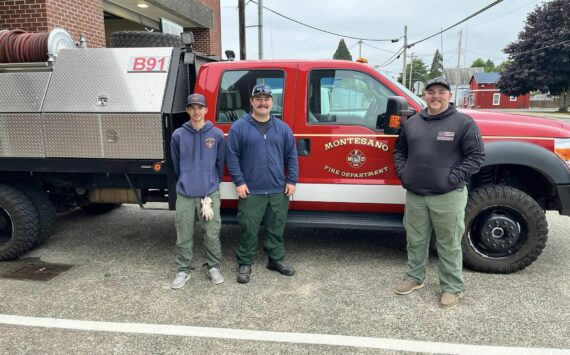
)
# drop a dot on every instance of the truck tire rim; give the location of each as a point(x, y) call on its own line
point(498, 232)
point(6, 226)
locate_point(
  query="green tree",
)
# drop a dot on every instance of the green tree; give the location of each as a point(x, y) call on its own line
point(419, 72)
point(501, 67)
point(538, 59)
point(436, 69)
point(487, 65)
point(342, 51)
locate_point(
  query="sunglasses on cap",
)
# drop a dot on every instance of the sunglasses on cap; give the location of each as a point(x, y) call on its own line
point(261, 90)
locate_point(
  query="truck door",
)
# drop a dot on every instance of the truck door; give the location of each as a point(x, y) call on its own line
point(345, 162)
point(233, 89)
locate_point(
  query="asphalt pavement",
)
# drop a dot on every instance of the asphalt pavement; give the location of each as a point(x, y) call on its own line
point(123, 263)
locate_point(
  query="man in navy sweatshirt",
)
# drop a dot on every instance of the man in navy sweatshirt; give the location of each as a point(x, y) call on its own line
point(198, 150)
point(260, 148)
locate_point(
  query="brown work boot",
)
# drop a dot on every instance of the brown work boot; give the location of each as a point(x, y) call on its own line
point(407, 286)
point(450, 300)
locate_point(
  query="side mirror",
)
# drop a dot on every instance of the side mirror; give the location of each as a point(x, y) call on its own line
point(396, 113)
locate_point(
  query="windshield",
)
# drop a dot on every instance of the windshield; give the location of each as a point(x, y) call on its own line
point(413, 96)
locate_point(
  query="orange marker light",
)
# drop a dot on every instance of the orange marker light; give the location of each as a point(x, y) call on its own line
point(156, 167)
point(394, 121)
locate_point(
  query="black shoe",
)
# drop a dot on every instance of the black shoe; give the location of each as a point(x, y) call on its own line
point(281, 267)
point(244, 273)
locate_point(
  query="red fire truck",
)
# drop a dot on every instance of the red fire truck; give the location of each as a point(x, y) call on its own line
point(93, 129)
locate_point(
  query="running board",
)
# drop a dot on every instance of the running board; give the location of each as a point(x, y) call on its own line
point(343, 220)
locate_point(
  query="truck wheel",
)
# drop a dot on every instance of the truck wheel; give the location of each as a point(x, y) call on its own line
point(128, 39)
point(19, 223)
point(100, 208)
point(44, 207)
point(506, 230)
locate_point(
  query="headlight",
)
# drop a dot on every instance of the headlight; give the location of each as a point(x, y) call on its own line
point(562, 148)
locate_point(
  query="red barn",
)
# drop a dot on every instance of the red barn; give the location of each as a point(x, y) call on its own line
point(483, 93)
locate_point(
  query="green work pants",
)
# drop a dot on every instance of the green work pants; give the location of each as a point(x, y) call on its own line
point(187, 218)
point(445, 215)
point(272, 210)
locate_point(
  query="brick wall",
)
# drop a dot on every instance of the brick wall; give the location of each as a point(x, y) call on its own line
point(28, 15)
point(211, 40)
point(79, 16)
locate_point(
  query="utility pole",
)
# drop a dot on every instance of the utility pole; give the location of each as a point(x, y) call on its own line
point(405, 53)
point(411, 71)
point(360, 49)
point(260, 26)
point(241, 10)
point(458, 63)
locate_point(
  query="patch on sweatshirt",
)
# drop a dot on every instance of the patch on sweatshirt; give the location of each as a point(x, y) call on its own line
point(445, 136)
point(210, 142)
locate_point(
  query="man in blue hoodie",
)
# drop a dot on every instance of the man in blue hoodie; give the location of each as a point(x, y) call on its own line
point(260, 148)
point(198, 157)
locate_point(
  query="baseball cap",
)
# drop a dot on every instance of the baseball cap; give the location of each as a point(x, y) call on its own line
point(438, 81)
point(196, 99)
point(261, 89)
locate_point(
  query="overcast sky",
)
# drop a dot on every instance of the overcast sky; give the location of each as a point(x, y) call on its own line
point(482, 36)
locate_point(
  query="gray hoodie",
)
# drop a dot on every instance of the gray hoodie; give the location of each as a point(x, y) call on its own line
point(437, 154)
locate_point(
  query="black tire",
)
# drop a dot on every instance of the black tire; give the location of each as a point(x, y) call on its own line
point(129, 39)
point(506, 230)
point(100, 208)
point(44, 207)
point(19, 223)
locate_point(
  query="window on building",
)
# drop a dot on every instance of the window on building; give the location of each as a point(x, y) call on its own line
point(513, 98)
point(345, 97)
point(235, 91)
point(496, 99)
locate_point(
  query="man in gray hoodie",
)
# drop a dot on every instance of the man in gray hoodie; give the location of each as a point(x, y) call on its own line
point(198, 157)
point(435, 155)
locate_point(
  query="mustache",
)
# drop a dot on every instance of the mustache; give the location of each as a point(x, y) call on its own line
point(262, 106)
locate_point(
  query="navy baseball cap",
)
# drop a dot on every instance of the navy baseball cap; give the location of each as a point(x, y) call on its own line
point(438, 81)
point(261, 89)
point(196, 99)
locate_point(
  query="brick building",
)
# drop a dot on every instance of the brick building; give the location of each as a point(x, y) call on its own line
point(96, 19)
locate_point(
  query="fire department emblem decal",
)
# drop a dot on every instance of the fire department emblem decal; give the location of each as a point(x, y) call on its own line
point(210, 142)
point(355, 158)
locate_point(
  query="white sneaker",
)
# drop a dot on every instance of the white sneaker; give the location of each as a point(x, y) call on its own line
point(215, 275)
point(179, 280)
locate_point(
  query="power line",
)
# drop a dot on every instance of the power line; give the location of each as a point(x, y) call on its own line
point(538, 49)
point(380, 49)
point(325, 31)
point(458, 23)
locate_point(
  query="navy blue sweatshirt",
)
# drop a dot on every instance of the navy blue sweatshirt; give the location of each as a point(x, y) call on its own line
point(198, 159)
point(259, 160)
point(437, 154)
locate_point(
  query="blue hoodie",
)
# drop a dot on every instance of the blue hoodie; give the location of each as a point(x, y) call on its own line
point(259, 160)
point(198, 159)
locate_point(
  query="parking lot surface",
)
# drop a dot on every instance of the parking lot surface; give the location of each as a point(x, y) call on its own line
point(116, 297)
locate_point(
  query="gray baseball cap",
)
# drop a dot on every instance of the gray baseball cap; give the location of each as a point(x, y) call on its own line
point(196, 99)
point(438, 81)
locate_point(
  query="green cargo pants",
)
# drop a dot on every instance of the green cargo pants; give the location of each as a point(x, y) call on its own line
point(272, 210)
point(445, 215)
point(187, 218)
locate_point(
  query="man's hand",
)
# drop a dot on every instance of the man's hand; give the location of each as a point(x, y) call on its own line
point(242, 191)
point(290, 189)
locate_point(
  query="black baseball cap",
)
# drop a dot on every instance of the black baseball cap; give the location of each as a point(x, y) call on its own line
point(438, 81)
point(261, 89)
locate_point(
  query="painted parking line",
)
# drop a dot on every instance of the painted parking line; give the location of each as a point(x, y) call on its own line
point(266, 336)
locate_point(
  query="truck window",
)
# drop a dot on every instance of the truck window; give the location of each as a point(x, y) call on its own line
point(345, 97)
point(235, 89)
